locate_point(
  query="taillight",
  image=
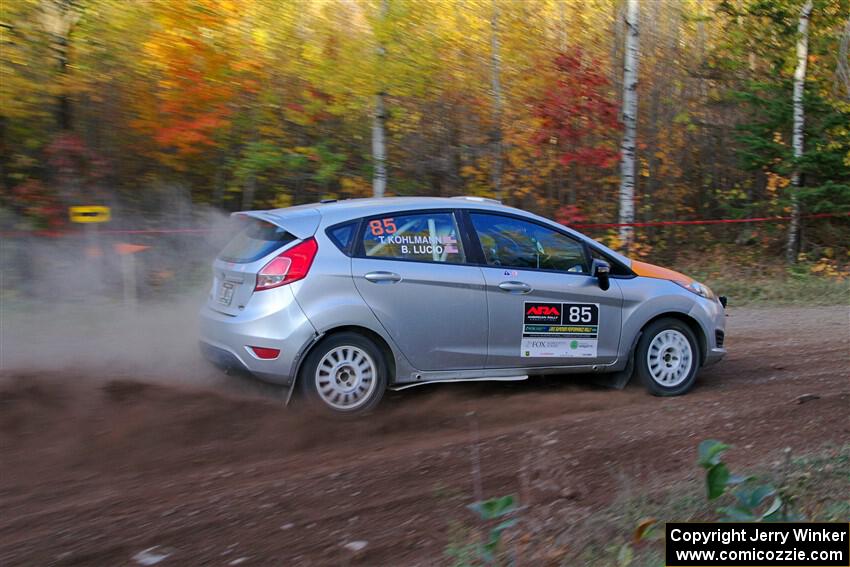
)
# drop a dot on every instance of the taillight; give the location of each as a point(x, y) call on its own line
point(265, 353)
point(288, 267)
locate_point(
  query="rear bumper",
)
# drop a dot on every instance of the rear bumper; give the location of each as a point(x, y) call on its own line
point(273, 319)
point(226, 361)
point(221, 358)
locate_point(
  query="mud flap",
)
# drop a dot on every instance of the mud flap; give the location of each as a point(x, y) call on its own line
point(298, 361)
point(616, 380)
point(289, 394)
point(619, 380)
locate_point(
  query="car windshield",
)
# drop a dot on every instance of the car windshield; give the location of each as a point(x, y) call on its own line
point(257, 238)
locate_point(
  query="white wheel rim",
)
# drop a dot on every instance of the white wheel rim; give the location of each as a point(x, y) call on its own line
point(670, 358)
point(346, 377)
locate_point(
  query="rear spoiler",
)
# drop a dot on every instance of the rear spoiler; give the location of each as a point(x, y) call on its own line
point(301, 224)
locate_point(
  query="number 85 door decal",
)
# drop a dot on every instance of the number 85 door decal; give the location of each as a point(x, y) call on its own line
point(559, 330)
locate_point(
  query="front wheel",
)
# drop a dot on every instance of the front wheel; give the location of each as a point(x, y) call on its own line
point(667, 358)
point(344, 375)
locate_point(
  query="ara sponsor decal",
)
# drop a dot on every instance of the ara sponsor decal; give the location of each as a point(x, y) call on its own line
point(560, 330)
point(542, 313)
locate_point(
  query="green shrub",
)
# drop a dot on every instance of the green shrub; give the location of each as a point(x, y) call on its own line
point(753, 501)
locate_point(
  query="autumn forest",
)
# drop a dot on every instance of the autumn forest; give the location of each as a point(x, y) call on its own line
point(245, 104)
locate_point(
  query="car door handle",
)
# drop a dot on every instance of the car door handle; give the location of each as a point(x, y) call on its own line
point(515, 287)
point(382, 277)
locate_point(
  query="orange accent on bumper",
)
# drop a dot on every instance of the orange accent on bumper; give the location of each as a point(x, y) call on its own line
point(651, 271)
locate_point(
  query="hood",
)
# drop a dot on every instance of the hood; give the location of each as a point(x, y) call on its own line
point(652, 271)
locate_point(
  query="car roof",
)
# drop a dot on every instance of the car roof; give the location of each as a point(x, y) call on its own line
point(333, 212)
point(377, 205)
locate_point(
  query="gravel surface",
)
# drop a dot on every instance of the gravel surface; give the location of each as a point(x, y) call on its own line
point(116, 470)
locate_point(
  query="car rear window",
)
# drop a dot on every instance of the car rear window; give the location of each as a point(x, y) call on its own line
point(257, 238)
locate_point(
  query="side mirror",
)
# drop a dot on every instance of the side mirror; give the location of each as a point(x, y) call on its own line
point(600, 269)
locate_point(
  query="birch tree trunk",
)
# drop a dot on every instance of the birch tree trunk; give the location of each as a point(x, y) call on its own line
point(562, 31)
point(799, 123)
point(379, 145)
point(59, 18)
point(379, 148)
point(496, 87)
point(842, 68)
point(630, 109)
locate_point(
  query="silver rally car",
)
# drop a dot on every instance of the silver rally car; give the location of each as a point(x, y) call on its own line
point(346, 299)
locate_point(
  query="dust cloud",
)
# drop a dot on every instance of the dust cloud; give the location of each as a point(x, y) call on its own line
point(73, 303)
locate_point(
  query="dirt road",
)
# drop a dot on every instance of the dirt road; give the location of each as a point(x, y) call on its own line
point(93, 472)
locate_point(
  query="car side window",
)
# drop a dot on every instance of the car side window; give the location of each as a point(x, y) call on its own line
point(423, 237)
point(515, 243)
point(617, 269)
point(341, 235)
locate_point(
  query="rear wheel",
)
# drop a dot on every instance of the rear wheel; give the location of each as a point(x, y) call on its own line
point(345, 375)
point(667, 358)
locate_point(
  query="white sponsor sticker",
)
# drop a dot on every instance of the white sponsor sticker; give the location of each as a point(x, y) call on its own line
point(541, 347)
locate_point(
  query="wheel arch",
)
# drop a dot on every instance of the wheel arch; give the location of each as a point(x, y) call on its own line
point(693, 325)
point(380, 342)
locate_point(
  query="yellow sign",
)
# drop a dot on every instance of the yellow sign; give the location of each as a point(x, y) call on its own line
point(89, 213)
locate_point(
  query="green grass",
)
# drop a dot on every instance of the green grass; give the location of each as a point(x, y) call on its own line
point(759, 283)
point(818, 484)
point(797, 290)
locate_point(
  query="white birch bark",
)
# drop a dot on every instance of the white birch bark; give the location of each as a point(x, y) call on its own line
point(799, 123)
point(496, 88)
point(842, 68)
point(630, 109)
point(379, 148)
point(379, 119)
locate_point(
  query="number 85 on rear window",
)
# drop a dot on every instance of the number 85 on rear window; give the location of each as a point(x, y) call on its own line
point(379, 227)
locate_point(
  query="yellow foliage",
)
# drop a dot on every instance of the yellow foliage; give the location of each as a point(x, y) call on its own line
point(281, 200)
point(776, 182)
point(827, 267)
point(356, 186)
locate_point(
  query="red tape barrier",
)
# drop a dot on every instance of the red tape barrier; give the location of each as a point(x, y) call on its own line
point(57, 234)
point(705, 221)
point(61, 233)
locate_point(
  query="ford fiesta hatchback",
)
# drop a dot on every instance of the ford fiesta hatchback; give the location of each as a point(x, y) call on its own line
point(346, 299)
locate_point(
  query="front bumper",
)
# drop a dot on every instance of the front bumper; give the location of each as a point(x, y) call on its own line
point(715, 331)
point(714, 355)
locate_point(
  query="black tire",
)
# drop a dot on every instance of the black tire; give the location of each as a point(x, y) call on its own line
point(651, 374)
point(313, 384)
